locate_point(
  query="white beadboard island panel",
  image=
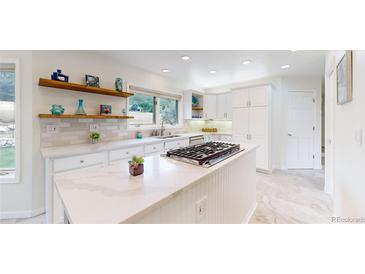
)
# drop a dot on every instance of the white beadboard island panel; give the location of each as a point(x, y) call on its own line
point(167, 192)
point(230, 193)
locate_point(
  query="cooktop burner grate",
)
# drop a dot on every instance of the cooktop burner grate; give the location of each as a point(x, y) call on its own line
point(202, 154)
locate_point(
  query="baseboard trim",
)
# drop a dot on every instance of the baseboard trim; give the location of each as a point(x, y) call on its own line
point(250, 213)
point(21, 214)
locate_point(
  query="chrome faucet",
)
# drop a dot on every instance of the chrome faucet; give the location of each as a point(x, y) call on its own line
point(162, 128)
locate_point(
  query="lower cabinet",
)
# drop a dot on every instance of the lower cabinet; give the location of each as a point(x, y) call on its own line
point(153, 149)
point(55, 167)
point(120, 154)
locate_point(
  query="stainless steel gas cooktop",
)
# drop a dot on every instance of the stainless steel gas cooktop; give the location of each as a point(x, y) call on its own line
point(205, 154)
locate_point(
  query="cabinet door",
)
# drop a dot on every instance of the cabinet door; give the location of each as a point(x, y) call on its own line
point(259, 96)
point(210, 106)
point(228, 106)
point(240, 124)
point(221, 106)
point(240, 98)
point(262, 152)
point(187, 96)
point(259, 120)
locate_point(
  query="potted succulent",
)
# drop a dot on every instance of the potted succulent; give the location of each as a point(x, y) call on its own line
point(94, 137)
point(136, 165)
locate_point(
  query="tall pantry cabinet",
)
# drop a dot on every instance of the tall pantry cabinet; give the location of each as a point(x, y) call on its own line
point(251, 121)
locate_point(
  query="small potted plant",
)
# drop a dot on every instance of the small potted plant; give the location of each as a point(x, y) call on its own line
point(136, 166)
point(94, 137)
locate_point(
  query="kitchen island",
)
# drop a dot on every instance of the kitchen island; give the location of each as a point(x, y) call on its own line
point(169, 191)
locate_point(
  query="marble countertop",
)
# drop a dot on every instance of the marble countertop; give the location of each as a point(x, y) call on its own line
point(70, 150)
point(111, 195)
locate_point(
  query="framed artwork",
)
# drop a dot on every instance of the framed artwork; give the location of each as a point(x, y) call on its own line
point(92, 81)
point(344, 79)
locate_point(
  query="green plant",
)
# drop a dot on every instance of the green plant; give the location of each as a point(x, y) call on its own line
point(136, 161)
point(94, 135)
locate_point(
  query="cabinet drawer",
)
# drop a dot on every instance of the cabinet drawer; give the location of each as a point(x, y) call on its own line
point(176, 144)
point(120, 154)
point(79, 161)
point(155, 148)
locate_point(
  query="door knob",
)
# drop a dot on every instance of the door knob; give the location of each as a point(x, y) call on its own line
point(290, 135)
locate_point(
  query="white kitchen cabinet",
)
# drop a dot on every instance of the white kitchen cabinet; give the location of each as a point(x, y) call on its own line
point(189, 111)
point(124, 153)
point(240, 124)
point(262, 152)
point(224, 106)
point(259, 96)
point(81, 161)
point(210, 106)
point(154, 149)
point(251, 122)
point(259, 121)
point(240, 98)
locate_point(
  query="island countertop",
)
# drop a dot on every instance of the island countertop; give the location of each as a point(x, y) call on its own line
point(111, 195)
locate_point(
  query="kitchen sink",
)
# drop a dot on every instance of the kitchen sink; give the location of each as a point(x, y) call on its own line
point(167, 136)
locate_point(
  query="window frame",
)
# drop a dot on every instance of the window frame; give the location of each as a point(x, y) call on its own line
point(157, 124)
point(15, 174)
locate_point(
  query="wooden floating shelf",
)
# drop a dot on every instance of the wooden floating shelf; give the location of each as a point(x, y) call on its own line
point(73, 116)
point(77, 87)
point(197, 108)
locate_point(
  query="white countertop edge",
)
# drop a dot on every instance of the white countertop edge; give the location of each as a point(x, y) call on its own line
point(71, 150)
point(168, 195)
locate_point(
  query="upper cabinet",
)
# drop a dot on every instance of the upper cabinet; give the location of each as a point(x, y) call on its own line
point(193, 104)
point(224, 106)
point(259, 96)
point(240, 98)
point(253, 96)
point(210, 106)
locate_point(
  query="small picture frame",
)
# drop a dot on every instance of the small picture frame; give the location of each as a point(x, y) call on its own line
point(92, 81)
point(344, 79)
point(105, 109)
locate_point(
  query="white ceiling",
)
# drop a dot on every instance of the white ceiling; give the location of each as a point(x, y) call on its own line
point(227, 63)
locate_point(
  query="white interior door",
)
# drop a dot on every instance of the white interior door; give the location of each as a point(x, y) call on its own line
point(329, 132)
point(301, 122)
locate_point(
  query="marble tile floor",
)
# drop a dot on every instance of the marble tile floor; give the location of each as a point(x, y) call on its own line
point(292, 197)
point(284, 197)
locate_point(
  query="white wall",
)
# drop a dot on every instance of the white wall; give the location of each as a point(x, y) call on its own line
point(349, 157)
point(281, 87)
point(16, 198)
point(28, 196)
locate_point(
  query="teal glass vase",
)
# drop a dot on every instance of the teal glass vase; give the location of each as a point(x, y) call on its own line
point(80, 110)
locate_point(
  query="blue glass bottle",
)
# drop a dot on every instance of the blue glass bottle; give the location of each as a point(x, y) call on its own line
point(80, 110)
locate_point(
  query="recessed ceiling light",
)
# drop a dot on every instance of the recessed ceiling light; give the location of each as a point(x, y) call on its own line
point(285, 67)
point(185, 58)
point(213, 71)
point(165, 70)
point(246, 62)
point(293, 50)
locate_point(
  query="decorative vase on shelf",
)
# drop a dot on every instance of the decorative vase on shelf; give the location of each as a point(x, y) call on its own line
point(80, 109)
